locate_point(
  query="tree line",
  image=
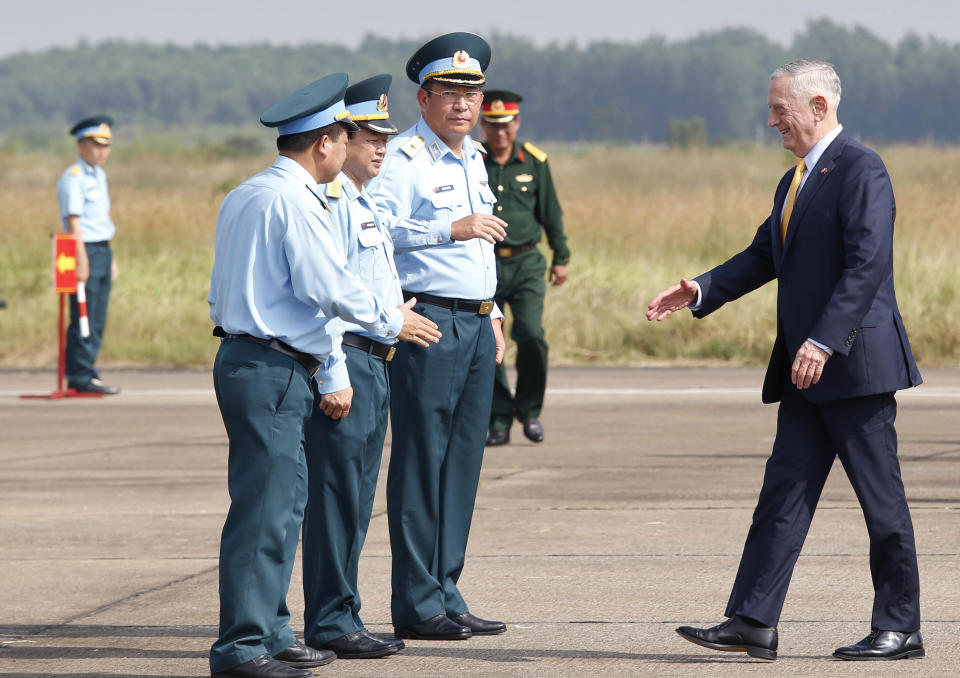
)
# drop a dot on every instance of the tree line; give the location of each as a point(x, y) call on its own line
point(600, 92)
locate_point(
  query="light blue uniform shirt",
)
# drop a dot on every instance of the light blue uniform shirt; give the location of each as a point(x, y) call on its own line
point(280, 270)
point(362, 229)
point(425, 194)
point(82, 192)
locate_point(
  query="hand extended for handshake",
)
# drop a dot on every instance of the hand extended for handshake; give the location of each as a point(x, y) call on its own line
point(807, 364)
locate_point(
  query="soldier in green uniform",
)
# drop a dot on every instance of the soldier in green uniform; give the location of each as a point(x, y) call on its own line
point(526, 199)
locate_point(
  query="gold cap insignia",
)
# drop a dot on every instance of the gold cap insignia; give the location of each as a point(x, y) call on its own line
point(461, 59)
point(382, 103)
point(497, 106)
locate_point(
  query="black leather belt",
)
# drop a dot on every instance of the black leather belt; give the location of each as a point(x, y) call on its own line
point(367, 344)
point(468, 305)
point(507, 252)
point(309, 363)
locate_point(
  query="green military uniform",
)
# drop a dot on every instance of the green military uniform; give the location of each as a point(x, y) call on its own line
point(527, 201)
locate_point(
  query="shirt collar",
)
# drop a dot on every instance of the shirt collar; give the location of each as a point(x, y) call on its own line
point(87, 167)
point(813, 155)
point(300, 173)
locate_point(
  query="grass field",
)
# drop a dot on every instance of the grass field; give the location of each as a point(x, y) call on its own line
point(638, 218)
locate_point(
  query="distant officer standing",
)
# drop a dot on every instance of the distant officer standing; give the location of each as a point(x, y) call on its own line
point(526, 199)
point(85, 211)
point(434, 183)
point(344, 435)
point(279, 278)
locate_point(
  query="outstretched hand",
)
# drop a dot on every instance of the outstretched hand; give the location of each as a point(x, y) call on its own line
point(671, 300)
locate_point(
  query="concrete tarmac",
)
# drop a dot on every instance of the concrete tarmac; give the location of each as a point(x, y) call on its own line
point(593, 546)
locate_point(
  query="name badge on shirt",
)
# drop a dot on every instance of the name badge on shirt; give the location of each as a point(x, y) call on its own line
point(524, 178)
point(443, 189)
point(368, 224)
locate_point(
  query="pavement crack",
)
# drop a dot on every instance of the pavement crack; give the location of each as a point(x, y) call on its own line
point(42, 629)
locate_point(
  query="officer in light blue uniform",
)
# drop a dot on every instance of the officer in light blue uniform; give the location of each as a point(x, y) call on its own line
point(434, 183)
point(85, 210)
point(343, 454)
point(280, 277)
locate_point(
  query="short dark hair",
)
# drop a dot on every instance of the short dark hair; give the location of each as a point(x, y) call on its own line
point(301, 141)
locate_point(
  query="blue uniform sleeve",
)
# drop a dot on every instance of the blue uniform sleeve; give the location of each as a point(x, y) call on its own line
point(394, 191)
point(70, 194)
point(319, 275)
point(332, 375)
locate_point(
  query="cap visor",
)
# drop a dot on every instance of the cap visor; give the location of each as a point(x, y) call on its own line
point(381, 126)
point(349, 124)
point(498, 119)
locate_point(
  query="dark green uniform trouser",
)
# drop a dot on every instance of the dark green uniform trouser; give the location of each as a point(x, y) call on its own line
point(265, 398)
point(439, 408)
point(343, 461)
point(522, 285)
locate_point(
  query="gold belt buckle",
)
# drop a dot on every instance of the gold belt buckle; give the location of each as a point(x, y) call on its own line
point(485, 308)
point(390, 354)
point(505, 252)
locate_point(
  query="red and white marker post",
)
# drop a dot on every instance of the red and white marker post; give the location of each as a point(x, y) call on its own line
point(64, 283)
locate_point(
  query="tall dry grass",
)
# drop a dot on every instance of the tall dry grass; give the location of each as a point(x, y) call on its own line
point(638, 218)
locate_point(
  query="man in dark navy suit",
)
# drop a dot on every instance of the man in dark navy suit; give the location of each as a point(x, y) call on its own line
point(840, 354)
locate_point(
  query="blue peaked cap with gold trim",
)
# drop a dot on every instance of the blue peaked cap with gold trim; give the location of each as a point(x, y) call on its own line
point(98, 128)
point(368, 106)
point(457, 58)
point(317, 105)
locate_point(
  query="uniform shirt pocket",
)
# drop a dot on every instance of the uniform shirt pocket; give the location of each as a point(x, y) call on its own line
point(373, 262)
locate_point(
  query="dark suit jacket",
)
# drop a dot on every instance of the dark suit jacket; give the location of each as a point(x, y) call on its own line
point(835, 277)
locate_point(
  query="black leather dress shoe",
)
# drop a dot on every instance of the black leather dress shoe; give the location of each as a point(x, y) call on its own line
point(396, 642)
point(301, 656)
point(360, 645)
point(737, 634)
point(495, 438)
point(884, 645)
point(97, 386)
point(533, 429)
point(263, 666)
point(440, 627)
point(479, 627)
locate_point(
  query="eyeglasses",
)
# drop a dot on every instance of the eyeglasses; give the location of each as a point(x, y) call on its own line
point(452, 96)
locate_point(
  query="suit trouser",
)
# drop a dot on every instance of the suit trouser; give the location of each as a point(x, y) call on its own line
point(860, 431)
point(439, 409)
point(265, 398)
point(81, 353)
point(343, 461)
point(521, 284)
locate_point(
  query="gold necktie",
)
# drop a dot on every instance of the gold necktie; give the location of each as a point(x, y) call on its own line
point(791, 198)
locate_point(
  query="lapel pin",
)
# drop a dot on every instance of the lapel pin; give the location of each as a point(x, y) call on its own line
point(824, 170)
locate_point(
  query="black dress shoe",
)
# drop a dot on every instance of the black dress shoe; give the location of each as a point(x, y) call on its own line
point(533, 429)
point(479, 627)
point(97, 386)
point(884, 645)
point(396, 642)
point(495, 438)
point(300, 656)
point(263, 666)
point(360, 645)
point(737, 634)
point(440, 627)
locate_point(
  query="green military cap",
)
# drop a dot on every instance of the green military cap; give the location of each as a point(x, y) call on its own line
point(317, 105)
point(500, 105)
point(457, 58)
point(367, 102)
point(97, 128)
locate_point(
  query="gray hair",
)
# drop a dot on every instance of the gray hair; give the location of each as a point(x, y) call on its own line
point(811, 77)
